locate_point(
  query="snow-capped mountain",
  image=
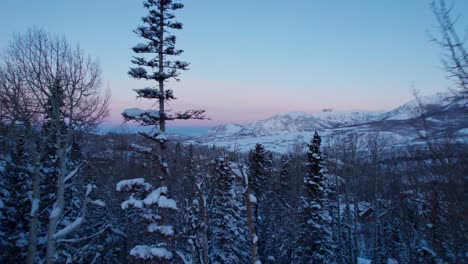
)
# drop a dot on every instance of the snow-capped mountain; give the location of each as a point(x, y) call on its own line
point(225, 130)
point(402, 124)
point(303, 122)
point(413, 108)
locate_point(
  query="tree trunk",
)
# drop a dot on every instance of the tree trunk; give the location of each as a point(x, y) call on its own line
point(205, 223)
point(32, 236)
point(250, 218)
point(58, 206)
point(162, 123)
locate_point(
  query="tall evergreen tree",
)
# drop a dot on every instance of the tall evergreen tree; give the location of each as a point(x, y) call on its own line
point(259, 168)
point(196, 216)
point(14, 186)
point(228, 226)
point(54, 129)
point(154, 62)
point(284, 171)
point(147, 204)
point(259, 173)
point(314, 244)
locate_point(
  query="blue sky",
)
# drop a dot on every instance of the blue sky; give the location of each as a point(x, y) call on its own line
point(252, 59)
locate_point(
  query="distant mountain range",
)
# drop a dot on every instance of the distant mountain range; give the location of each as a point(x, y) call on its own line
point(402, 124)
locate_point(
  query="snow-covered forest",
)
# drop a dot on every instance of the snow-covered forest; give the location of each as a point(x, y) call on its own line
point(69, 194)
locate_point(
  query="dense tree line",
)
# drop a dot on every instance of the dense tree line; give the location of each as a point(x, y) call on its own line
point(398, 205)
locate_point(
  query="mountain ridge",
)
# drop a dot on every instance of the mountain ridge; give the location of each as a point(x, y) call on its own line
point(402, 124)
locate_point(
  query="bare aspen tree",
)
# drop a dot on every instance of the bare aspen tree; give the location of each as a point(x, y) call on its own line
point(61, 84)
point(19, 105)
point(455, 58)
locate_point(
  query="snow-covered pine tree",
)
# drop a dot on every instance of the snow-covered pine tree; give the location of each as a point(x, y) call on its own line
point(154, 63)
point(314, 242)
point(146, 204)
point(259, 165)
point(280, 239)
point(196, 216)
point(259, 169)
point(284, 172)
point(14, 202)
point(228, 240)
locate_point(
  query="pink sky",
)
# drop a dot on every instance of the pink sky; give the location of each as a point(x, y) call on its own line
point(231, 102)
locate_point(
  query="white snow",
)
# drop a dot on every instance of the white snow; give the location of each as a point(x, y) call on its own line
point(363, 261)
point(89, 188)
point(462, 132)
point(69, 228)
point(153, 197)
point(132, 202)
point(255, 239)
point(138, 113)
point(99, 202)
point(55, 212)
point(133, 112)
point(34, 206)
point(140, 148)
point(226, 129)
point(138, 71)
point(140, 46)
point(127, 185)
point(72, 174)
point(165, 202)
point(150, 252)
point(157, 196)
point(161, 136)
point(166, 230)
point(253, 199)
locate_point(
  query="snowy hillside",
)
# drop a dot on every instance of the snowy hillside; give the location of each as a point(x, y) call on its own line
point(294, 122)
point(412, 108)
point(279, 132)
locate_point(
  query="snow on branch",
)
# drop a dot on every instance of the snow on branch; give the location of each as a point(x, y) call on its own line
point(189, 114)
point(165, 202)
point(136, 203)
point(69, 228)
point(157, 197)
point(143, 48)
point(154, 93)
point(253, 199)
point(166, 230)
point(153, 197)
point(140, 149)
point(89, 188)
point(80, 220)
point(157, 136)
point(98, 202)
point(144, 117)
point(72, 173)
point(150, 252)
point(138, 72)
point(34, 206)
point(128, 185)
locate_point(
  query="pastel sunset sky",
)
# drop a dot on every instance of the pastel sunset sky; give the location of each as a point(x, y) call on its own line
point(253, 59)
